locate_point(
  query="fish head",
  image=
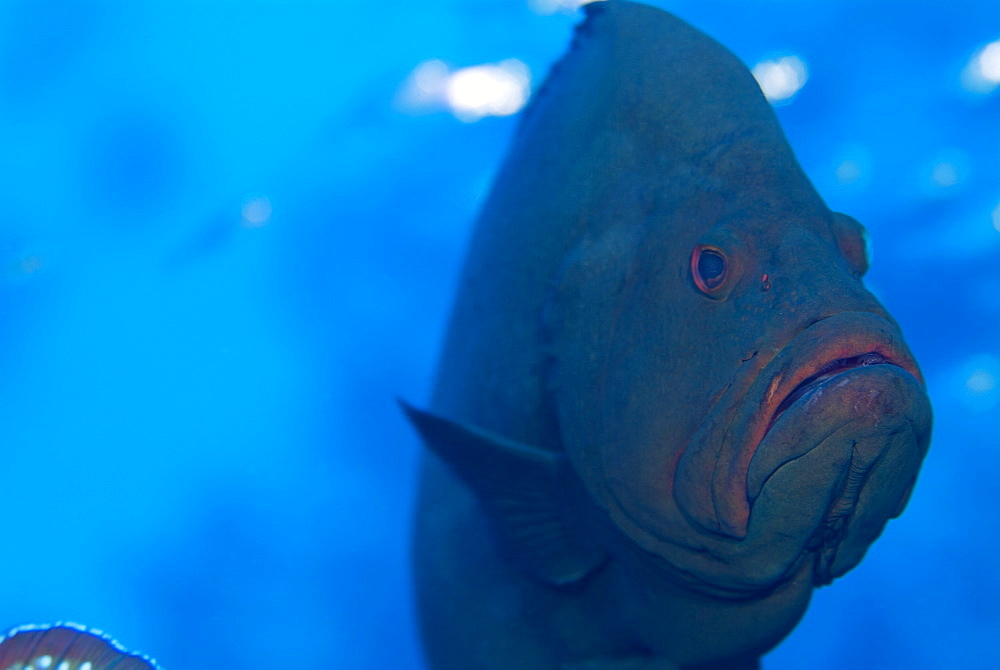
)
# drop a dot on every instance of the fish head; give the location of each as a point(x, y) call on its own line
point(813, 428)
point(738, 401)
point(727, 389)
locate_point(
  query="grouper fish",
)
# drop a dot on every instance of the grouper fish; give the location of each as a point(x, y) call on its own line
point(667, 407)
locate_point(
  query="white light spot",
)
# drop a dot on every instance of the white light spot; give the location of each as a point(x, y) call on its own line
point(424, 89)
point(471, 93)
point(979, 389)
point(44, 662)
point(64, 666)
point(256, 212)
point(980, 381)
point(21, 268)
point(488, 90)
point(87, 666)
point(781, 79)
point(946, 171)
point(989, 62)
point(848, 172)
point(982, 72)
point(31, 264)
point(855, 165)
point(945, 174)
point(430, 77)
point(996, 218)
point(547, 7)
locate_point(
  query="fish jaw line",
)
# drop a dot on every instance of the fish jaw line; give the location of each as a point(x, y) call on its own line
point(725, 448)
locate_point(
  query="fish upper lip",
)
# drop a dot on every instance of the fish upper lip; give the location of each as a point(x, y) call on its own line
point(823, 375)
point(830, 359)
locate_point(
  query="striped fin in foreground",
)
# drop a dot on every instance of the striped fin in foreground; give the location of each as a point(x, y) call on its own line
point(66, 646)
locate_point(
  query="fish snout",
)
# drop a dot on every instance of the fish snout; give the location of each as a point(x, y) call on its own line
point(711, 484)
point(820, 450)
point(820, 368)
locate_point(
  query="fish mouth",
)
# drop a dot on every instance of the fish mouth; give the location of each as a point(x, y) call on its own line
point(721, 453)
point(821, 442)
point(823, 375)
point(809, 382)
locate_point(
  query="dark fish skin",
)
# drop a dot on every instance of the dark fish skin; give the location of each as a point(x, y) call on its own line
point(633, 463)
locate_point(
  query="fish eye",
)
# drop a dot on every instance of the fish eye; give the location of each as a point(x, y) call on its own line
point(708, 268)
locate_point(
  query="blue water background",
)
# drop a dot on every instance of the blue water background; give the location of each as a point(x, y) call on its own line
point(201, 449)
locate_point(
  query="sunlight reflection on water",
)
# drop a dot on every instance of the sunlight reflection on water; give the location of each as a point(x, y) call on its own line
point(470, 93)
point(982, 73)
point(781, 78)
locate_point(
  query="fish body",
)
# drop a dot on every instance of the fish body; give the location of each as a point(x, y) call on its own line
point(667, 407)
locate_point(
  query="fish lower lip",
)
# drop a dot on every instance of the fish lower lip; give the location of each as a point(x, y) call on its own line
point(827, 372)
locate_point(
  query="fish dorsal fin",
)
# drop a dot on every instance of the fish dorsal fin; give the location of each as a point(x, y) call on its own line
point(66, 646)
point(526, 492)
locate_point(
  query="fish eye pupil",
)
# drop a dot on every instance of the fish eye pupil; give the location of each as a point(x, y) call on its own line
point(711, 267)
point(709, 270)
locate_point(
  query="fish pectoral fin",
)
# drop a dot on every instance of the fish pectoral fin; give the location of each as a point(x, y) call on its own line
point(627, 663)
point(526, 491)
